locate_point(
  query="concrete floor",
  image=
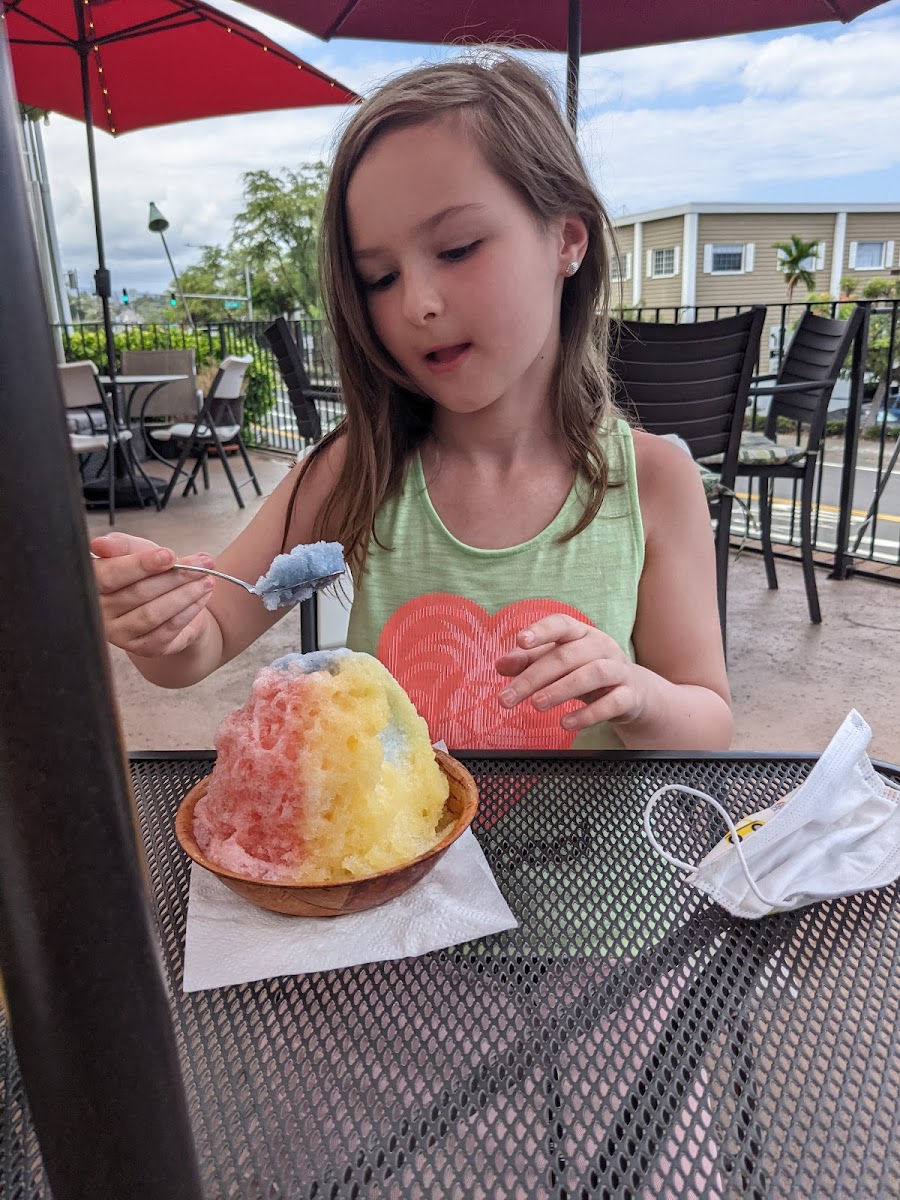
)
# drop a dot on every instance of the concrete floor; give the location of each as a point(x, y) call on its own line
point(792, 682)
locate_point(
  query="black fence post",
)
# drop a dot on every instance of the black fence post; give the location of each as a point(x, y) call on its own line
point(842, 558)
point(80, 961)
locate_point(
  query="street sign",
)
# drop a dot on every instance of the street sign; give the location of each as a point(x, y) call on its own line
point(233, 303)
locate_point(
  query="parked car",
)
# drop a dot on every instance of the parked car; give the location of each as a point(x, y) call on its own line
point(891, 415)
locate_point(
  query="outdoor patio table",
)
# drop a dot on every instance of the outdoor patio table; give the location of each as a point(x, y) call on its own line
point(149, 488)
point(629, 1038)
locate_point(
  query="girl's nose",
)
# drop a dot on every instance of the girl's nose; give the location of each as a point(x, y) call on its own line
point(421, 300)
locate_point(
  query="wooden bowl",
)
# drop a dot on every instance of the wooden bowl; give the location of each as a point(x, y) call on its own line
point(335, 899)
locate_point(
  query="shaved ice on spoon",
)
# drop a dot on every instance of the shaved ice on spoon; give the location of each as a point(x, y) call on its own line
point(295, 576)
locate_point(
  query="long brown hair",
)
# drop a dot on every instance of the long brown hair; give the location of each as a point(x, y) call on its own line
point(511, 114)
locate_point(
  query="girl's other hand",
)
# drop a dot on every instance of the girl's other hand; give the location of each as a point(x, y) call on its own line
point(148, 609)
point(558, 659)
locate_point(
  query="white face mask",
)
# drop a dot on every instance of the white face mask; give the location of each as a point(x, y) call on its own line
point(836, 834)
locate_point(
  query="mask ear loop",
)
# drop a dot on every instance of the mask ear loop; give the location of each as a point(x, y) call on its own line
point(690, 868)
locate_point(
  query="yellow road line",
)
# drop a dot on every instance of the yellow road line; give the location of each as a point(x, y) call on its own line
point(854, 512)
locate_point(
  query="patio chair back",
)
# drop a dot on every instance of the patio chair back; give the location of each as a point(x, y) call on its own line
point(174, 400)
point(690, 379)
point(79, 385)
point(88, 410)
point(299, 389)
point(810, 369)
point(693, 380)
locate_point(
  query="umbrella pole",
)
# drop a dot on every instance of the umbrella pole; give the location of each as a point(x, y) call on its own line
point(573, 61)
point(102, 284)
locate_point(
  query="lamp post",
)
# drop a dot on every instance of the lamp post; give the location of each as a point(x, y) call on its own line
point(159, 224)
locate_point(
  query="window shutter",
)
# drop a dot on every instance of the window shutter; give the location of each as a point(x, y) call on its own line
point(628, 264)
point(820, 257)
point(749, 252)
point(889, 254)
point(707, 258)
point(649, 264)
point(851, 261)
point(677, 259)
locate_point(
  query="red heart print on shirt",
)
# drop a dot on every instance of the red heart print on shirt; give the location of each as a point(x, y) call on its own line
point(443, 650)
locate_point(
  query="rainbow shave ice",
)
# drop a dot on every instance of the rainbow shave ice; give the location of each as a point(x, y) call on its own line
point(326, 774)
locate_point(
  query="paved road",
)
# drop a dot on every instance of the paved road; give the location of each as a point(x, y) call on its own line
point(882, 542)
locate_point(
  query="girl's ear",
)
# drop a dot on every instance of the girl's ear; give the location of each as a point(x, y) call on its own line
point(573, 244)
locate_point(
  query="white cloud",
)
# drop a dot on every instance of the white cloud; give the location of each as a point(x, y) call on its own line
point(856, 63)
point(857, 60)
point(636, 76)
point(192, 172)
point(733, 151)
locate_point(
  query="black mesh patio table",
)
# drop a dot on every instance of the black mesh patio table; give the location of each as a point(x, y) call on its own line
point(628, 1039)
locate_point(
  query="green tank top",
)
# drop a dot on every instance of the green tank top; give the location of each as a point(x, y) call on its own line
point(438, 613)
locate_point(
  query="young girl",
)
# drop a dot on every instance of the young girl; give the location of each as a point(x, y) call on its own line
point(535, 573)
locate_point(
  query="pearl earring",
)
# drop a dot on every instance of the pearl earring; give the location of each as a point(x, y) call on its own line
point(573, 267)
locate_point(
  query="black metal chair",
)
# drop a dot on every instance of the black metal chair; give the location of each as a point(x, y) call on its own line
point(301, 392)
point(801, 394)
point(218, 423)
point(692, 380)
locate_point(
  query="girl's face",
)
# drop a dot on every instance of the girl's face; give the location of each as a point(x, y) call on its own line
point(462, 285)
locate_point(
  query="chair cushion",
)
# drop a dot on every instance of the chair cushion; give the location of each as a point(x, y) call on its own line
point(184, 430)
point(711, 480)
point(768, 454)
point(85, 421)
point(756, 450)
point(87, 443)
point(712, 483)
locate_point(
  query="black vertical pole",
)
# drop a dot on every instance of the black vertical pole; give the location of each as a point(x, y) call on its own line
point(78, 955)
point(573, 63)
point(102, 284)
point(851, 445)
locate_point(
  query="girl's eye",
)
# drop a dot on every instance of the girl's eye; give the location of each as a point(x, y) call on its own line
point(458, 253)
point(382, 284)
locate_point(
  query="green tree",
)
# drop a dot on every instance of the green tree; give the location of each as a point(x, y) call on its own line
point(277, 233)
point(218, 273)
point(795, 255)
point(876, 289)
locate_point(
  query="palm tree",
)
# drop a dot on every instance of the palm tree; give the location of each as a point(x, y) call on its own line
point(795, 255)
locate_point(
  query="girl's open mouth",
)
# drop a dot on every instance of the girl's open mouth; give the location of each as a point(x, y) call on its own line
point(446, 358)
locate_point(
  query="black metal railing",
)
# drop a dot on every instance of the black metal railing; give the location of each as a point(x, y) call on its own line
point(856, 519)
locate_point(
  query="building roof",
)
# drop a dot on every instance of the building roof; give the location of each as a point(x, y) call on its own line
point(679, 210)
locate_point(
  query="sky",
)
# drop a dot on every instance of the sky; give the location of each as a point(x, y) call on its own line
point(808, 115)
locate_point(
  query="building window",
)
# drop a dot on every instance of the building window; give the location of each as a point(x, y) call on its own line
point(620, 267)
point(728, 258)
point(870, 256)
point(663, 263)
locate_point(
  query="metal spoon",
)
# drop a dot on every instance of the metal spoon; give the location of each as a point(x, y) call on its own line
point(313, 585)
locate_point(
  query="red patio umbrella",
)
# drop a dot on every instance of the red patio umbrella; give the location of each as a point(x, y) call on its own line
point(131, 64)
point(555, 24)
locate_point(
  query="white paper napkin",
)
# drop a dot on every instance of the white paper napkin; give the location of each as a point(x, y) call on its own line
point(229, 940)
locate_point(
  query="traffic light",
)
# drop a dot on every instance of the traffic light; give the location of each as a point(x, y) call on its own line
point(125, 296)
point(172, 301)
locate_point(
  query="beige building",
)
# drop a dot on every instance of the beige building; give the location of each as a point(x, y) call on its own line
point(696, 257)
